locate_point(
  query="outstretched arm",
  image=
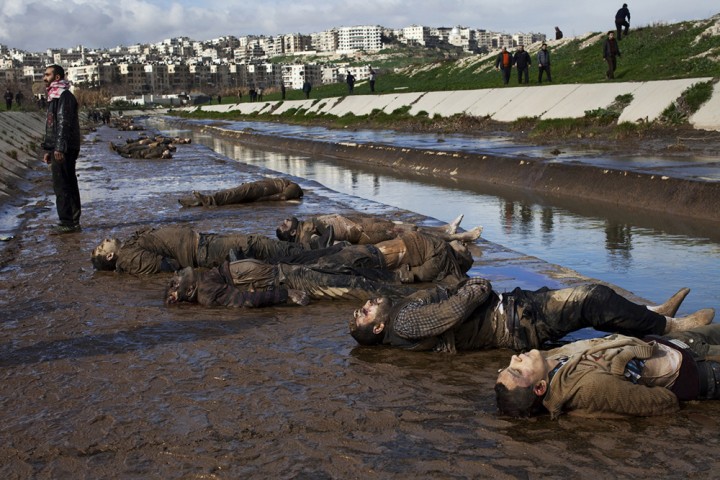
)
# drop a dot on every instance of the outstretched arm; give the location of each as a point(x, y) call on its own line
point(421, 319)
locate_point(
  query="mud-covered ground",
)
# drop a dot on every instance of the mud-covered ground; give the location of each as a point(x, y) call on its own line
point(99, 380)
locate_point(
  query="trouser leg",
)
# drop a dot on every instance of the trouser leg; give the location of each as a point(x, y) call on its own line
point(264, 248)
point(306, 257)
point(703, 341)
point(567, 310)
point(67, 192)
point(709, 376)
point(320, 285)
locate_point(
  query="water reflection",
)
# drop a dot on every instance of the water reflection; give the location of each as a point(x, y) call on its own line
point(649, 254)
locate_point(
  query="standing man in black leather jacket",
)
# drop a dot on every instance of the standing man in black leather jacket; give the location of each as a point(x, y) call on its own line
point(62, 147)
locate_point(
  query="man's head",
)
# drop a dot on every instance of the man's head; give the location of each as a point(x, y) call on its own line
point(287, 230)
point(104, 256)
point(368, 324)
point(611, 35)
point(53, 73)
point(182, 287)
point(521, 386)
point(521, 47)
point(504, 49)
point(624, 5)
point(544, 46)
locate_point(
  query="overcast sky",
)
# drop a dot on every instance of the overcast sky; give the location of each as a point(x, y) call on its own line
point(35, 25)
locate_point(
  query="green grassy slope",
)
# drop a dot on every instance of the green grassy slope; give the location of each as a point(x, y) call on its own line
point(656, 52)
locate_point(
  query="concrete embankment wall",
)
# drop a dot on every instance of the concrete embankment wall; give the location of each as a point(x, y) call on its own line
point(20, 136)
point(509, 103)
point(673, 196)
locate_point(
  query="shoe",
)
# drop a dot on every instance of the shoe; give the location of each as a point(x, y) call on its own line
point(64, 229)
point(698, 319)
point(670, 308)
point(453, 226)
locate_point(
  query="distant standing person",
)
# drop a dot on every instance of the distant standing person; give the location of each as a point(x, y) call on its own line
point(372, 80)
point(504, 62)
point(543, 58)
point(307, 87)
point(611, 51)
point(19, 97)
point(8, 99)
point(350, 79)
point(558, 33)
point(260, 93)
point(219, 99)
point(522, 63)
point(62, 147)
point(622, 19)
point(282, 89)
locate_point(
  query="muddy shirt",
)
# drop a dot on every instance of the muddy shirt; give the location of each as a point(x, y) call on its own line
point(358, 229)
point(261, 190)
point(153, 250)
point(431, 259)
point(421, 321)
point(216, 288)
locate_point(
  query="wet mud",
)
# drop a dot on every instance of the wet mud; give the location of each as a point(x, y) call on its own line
point(98, 379)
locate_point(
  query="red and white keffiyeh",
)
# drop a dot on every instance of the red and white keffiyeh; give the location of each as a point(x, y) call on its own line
point(57, 88)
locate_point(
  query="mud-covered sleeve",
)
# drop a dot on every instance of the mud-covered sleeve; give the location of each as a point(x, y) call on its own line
point(235, 297)
point(428, 271)
point(431, 317)
point(139, 261)
point(605, 394)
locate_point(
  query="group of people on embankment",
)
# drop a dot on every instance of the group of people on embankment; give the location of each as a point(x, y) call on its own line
point(522, 60)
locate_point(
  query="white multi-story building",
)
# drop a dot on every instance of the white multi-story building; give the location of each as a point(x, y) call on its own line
point(326, 41)
point(522, 39)
point(503, 40)
point(362, 38)
point(463, 37)
point(416, 35)
point(294, 76)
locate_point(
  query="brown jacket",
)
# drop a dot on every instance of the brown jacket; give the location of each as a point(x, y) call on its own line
point(592, 382)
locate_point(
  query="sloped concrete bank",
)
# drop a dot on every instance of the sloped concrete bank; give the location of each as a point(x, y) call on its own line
point(20, 135)
point(674, 196)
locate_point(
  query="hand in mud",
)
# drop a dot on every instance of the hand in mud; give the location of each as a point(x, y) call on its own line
point(298, 297)
point(404, 274)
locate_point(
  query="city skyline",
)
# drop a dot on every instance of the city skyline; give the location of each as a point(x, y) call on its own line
point(107, 24)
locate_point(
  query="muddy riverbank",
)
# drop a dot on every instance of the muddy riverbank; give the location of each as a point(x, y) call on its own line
point(99, 380)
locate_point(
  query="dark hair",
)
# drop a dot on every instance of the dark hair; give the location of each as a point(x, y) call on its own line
point(364, 335)
point(100, 262)
point(57, 70)
point(518, 402)
point(287, 235)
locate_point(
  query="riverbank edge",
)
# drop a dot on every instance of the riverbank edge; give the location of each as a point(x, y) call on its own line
point(620, 188)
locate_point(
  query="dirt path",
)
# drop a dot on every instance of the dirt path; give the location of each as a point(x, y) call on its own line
point(99, 380)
